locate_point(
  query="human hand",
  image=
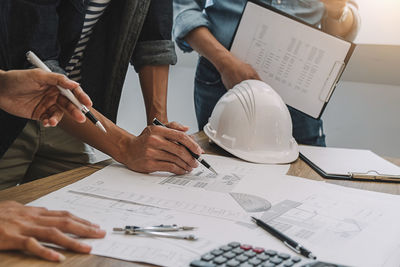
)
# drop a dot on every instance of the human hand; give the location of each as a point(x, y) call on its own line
point(33, 94)
point(233, 71)
point(334, 8)
point(22, 227)
point(156, 149)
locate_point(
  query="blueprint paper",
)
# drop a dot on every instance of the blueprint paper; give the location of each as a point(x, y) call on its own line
point(337, 224)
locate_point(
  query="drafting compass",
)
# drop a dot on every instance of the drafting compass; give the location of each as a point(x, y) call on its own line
point(157, 231)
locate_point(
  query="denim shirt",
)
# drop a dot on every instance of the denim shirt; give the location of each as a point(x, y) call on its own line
point(129, 31)
point(221, 17)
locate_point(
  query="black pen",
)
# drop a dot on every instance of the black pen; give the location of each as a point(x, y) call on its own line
point(194, 155)
point(293, 245)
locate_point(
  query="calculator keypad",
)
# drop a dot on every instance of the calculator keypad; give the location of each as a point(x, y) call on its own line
point(235, 254)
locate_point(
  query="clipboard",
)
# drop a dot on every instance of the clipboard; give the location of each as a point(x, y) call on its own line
point(300, 61)
point(367, 176)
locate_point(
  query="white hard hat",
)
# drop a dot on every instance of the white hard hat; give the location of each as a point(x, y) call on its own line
point(252, 122)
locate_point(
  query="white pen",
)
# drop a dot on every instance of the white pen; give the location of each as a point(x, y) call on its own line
point(32, 58)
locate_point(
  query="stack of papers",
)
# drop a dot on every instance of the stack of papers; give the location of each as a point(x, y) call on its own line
point(338, 224)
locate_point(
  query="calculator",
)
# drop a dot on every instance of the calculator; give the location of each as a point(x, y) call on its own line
point(236, 254)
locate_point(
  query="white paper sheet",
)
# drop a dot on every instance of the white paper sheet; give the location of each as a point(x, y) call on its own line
point(212, 232)
point(361, 231)
point(212, 200)
point(337, 224)
point(342, 161)
point(112, 213)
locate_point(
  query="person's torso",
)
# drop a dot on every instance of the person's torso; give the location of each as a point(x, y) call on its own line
point(224, 15)
point(52, 29)
point(94, 11)
point(49, 28)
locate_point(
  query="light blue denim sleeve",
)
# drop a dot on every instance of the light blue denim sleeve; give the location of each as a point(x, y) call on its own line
point(188, 15)
point(351, 36)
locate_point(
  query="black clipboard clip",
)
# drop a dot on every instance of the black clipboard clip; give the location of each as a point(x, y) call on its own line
point(332, 80)
point(370, 176)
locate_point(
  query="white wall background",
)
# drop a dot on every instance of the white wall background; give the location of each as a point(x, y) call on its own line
point(363, 112)
point(380, 22)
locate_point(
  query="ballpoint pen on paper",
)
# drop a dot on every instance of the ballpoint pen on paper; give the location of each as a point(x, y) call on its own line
point(157, 231)
point(194, 155)
point(293, 245)
point(35, 60)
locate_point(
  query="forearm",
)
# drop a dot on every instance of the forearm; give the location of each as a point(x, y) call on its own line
point(154, 84)
point(204, 43)
point(155, 149)
point(231, 69)
point(112, 143)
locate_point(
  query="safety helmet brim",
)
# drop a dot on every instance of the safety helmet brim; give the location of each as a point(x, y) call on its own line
point(263, 157)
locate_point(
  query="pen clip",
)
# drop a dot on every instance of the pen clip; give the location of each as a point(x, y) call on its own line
point(372, 174)
point(295, 249)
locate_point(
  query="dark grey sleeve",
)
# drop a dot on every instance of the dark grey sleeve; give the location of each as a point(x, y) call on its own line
point(154, 46)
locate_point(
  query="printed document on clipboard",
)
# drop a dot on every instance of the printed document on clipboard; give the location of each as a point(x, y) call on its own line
point(302, 63)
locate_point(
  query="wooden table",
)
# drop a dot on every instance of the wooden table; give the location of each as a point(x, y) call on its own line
point(36, 189)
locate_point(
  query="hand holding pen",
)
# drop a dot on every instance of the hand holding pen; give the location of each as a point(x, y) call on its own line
point(33, 94)
point(157, 149)
point(194, 155)
point(35, 60)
